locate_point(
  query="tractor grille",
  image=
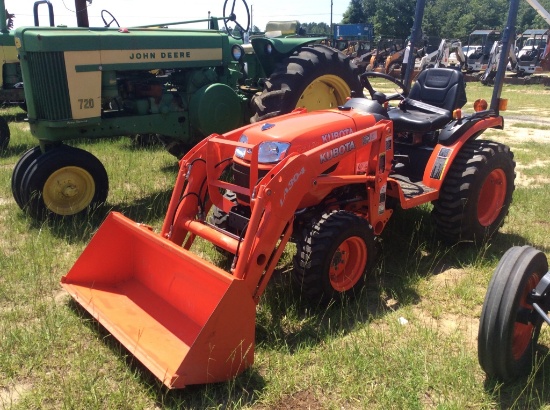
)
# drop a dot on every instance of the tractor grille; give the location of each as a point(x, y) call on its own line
point(241, 174)
point(49, 87)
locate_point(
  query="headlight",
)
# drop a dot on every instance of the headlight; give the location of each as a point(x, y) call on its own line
point(268, 48)
point(240, 152)
point(237, 52)
point(270, 152)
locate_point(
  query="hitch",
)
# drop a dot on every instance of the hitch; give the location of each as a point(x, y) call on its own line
point(539, 298)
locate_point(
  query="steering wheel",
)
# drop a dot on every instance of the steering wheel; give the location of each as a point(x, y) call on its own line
point(232, 17)
point(378, 96)
point(113, 19)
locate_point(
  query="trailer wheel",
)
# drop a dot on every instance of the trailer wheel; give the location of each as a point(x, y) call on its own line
point(477, 192)
point(19, 170)
point(4, 134)
point(332, 259)
point(63, 182)
point(315, 77)
point(507, 338)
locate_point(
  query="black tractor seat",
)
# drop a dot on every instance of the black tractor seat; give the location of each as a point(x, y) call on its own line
point(436, 93)
point(416, 116)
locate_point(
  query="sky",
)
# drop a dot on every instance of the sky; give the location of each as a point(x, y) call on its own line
point(142, 12)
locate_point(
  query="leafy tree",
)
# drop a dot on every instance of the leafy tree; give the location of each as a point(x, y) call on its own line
point(442, 18)
point(316, 28)
point(394, 17)
point(355, 13)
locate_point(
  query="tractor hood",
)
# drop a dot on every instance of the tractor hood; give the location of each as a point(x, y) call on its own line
point(304, 132)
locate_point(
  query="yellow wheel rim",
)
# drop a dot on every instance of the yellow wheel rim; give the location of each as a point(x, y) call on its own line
point(327, 91)
point(68, 190)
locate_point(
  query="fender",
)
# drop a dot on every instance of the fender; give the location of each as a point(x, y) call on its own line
point(458, 128)
point(452, 138)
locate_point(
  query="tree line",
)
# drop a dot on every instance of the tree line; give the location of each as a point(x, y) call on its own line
point(442, 18)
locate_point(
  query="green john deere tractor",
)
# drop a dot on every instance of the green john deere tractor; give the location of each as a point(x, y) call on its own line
point(11, 89)
point(178, 84)
point(11, 79)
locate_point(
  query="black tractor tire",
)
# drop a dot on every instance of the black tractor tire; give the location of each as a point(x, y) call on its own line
point(218, 217)
point(476, 193)
point(64, 181)
point(334, 257)
point(19, 170)
point(4, 134)
point(506, 346)
point(315, 77)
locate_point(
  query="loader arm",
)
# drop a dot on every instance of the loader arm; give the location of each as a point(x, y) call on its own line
point(274, 199)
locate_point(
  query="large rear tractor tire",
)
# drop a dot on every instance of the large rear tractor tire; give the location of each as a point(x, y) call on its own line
point(508, 329)
point(334, 257)
point(64, 181)
point(315, 77)
point(477, 192)
point(4, 134)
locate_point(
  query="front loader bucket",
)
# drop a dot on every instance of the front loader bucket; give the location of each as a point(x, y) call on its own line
point(186, 320)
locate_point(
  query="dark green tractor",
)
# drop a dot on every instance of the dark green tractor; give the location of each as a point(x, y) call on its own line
point(178, 84)
point(11, 86)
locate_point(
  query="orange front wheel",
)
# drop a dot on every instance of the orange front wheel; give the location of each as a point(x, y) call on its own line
point(334, 256)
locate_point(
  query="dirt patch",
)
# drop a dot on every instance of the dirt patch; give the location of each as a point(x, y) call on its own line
point(61, 297)
point(450, 323)
point(11, 395)
point(535, 182)
point(522, 133)
point(448, 278)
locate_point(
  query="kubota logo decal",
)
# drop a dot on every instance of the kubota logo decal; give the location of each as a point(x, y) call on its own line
point(291, 183)
point(336, 152)
point(336, 134)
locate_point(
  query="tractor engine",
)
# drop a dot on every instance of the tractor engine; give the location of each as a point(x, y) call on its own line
point(138, 93)
point(294, 134)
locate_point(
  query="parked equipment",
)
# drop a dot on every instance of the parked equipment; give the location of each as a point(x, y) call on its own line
point(375, 60)
point(515, 307)
point(533, 52)
point(441, 56)
point(478, 60)
point(180, 84)
point(11, 86)
point(324, 180)
point(494, 60)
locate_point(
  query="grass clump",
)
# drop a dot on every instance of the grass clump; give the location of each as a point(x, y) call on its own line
point(407, 341)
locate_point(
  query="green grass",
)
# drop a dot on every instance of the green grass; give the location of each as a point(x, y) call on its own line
point(352, 354)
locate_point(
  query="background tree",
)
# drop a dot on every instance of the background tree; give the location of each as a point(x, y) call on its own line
point(355, 13)
point(442, 18)
point(322, 29)
point(394, 18)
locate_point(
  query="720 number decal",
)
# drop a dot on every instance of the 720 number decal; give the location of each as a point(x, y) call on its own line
point(86, 103)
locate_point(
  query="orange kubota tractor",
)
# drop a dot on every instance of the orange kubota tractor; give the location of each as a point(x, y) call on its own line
point(325, 180)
